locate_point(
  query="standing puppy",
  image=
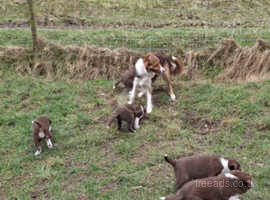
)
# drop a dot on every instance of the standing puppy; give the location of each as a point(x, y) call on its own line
point(145, 69)
point(42, 131)
point(224, 187)
point(200, 166)
point(130, 113)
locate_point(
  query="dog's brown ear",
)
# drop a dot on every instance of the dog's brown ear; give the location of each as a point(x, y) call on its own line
point(146, 60)
point(137, 110)
point(153, 60)
point(38, 123)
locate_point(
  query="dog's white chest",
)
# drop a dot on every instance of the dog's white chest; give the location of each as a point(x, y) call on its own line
point(41, 134)
point(140, 68)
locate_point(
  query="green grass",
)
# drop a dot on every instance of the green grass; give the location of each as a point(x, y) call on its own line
point(143, 13)
point(90, 161)
point(165, 39)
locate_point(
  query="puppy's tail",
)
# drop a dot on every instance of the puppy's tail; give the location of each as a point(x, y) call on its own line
point(170, 161)
point(178, 65)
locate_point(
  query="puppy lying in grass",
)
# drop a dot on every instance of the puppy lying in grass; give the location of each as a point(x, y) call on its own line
point(130, 113)
point(224, 187)
point(200, 166)
point(42, 131)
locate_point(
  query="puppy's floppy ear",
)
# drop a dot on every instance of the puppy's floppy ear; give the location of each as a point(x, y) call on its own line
point(153, 60)
point(137, 110)
point(146, 60)
point(38, 123)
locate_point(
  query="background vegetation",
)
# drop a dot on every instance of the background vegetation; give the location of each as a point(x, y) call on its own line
point(92, 162)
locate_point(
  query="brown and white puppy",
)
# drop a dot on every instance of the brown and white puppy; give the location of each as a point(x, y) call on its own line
point(148, 68)
point(200, 166)
point(130, 113)
point(224, 187)
point(42, 131)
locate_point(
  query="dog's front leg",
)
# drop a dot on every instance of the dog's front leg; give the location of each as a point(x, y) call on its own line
point(136, 123)
point(36, 140)
point(49, 143)
point(133, 91)
point(149, 99)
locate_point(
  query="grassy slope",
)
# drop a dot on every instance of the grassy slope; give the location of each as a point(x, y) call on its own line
point(143, 13)
point(92, 162)
point(166, 39)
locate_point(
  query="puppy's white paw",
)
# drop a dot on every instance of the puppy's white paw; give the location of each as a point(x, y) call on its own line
point(37, 153)
point(141, 94)
point(113, 87)
point(173, 97)
point(136, 127)
point(129, 102)
point(49, 144)
point(149, 109)
point(162, 198)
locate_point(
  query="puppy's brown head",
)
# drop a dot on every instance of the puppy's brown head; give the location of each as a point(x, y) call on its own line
point(233, 165)
point(152, 63)
point(245, 180)
point(43, 124)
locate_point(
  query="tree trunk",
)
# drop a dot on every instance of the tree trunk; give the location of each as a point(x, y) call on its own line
point(34, 31)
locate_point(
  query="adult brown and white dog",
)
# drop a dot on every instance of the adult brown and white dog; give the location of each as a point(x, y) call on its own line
point(42, 131)
point(224, 187)
point(148, 68)
point(200, 166)
point(130, 113)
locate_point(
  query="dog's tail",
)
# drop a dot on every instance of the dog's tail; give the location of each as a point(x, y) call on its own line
point(170, 161)
point(178, 65)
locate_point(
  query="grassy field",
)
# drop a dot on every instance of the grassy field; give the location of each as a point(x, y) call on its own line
point(142, 13)
point(165, 39)
point(90, 161)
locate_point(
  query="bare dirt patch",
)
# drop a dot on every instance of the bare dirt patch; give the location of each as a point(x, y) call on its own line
point(200, 125)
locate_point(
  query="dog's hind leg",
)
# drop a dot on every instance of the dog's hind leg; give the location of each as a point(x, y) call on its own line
point(119, 123)
point(142, 92)
point(167, 77)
